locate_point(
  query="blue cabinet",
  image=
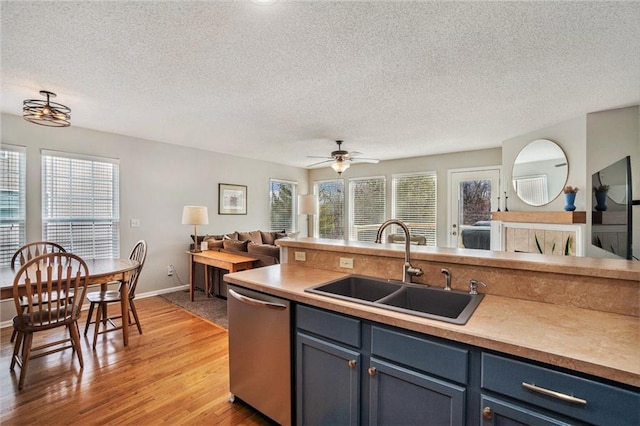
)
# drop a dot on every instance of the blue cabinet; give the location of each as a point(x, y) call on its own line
point(328, 383)
point(550, 393)
point(351, 372)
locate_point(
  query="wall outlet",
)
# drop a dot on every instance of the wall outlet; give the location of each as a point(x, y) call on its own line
point(135, 223)
point(170, 270)
point(301, 256)
point(346, 262)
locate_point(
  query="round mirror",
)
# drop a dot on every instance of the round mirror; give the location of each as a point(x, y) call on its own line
point(540, 172)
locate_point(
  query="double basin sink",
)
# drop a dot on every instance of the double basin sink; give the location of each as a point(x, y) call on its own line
point(415, 299)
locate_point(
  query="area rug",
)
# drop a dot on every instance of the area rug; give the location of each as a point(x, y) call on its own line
point(213, 309)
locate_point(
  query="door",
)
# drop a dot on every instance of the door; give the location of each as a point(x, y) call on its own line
point(473, 196)
point(405, 397)
point(328, 383)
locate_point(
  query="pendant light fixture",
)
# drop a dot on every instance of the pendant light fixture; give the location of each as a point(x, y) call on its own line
point(46, 113)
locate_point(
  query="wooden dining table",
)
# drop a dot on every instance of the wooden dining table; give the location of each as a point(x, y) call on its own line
point(101, 272)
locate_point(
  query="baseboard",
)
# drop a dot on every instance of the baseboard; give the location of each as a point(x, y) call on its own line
point(9, 323)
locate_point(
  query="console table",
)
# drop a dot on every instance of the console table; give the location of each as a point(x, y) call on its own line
point(228, 261)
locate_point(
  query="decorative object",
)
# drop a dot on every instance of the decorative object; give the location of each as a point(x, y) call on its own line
point(539, 172)
point(308, 205)
point(506, 209)
point(46, 113)
point(232, 199)
point(601, 197)
point(570, 197)
point(498, 203)
point(195, 215)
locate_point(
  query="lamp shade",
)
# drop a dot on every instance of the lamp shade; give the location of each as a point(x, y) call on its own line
point(195, 215)
point(308, 204)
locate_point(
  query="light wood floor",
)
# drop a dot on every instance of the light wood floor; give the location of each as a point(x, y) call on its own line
point(175, 373)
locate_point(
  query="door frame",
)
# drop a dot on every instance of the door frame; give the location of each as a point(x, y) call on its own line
point(450, 241)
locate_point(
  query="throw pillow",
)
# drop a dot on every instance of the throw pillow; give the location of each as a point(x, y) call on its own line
point(214, 244)
point(233, 236)
point(235, 245)
point(253, 236)
point(268, 237)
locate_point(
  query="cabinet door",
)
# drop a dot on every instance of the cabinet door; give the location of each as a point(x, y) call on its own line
point(402, 396)
point(497, 412)
point(328, 383)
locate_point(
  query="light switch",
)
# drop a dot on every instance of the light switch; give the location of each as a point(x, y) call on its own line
point(346, 262)
point(301, 256)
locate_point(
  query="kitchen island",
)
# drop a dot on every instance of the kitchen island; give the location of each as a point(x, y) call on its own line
point(597, 346)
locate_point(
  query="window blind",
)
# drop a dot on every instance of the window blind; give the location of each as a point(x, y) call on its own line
point(330, 220)
point(12, 201)
point(414, 203)
point(80, 204)
point(367, 205)
point(282, 198)
point(533, 189)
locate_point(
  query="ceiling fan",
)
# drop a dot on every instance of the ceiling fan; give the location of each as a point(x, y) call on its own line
point(341, 160)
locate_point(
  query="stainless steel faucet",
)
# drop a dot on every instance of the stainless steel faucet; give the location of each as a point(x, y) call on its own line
point(447, 278)
point(408, 270)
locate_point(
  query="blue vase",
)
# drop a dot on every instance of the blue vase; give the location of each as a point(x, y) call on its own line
point(601, 200)
point(570, 198)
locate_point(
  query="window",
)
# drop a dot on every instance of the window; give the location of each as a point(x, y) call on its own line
point(80, 204)
point(282, 205)
point(414, 203)
point(330, 220)
point(367, 201)
point(12, 201)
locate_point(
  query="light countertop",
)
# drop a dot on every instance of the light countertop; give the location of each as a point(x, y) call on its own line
point(597, 343)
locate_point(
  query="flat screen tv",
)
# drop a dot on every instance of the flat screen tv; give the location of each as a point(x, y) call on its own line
point(611, 227)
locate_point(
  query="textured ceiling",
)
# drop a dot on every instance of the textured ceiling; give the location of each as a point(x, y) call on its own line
point(280, 82)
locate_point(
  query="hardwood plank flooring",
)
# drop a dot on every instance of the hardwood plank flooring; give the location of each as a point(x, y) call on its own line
point(175, 373)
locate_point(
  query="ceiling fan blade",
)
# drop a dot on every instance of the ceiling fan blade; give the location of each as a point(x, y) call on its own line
point(320, 156)
point(320, 162)
point(356, 153)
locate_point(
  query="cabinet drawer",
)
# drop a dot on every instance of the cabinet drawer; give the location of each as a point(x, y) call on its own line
point(431, 357)
point(573, 396)
point(327, 324)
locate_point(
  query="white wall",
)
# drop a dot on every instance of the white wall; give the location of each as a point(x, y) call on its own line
point(441, 164)
point(156, 181)
point(612, 135)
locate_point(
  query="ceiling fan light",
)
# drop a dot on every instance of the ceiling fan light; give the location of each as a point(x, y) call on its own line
point(340, 166)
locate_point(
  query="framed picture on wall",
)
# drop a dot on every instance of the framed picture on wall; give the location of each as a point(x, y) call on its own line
point(232, 199)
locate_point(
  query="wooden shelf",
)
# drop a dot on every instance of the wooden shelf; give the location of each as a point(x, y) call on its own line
point(541, 217)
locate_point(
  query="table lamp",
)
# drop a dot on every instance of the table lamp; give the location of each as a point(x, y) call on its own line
point(195, 215)
point(308, 204)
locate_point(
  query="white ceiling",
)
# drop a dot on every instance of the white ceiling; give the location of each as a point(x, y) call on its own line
point(280, 82)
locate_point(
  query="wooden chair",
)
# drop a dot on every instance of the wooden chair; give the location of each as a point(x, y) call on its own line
point(28, 252)
point(104, 298)
point(54, 287)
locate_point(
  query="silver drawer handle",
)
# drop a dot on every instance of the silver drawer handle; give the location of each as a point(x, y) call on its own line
point(256, 302)
point(554, 394)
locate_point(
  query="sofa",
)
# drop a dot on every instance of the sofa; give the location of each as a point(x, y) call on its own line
point(257, 244)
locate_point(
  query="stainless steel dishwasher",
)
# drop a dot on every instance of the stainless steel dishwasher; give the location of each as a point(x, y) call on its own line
point(260, 352)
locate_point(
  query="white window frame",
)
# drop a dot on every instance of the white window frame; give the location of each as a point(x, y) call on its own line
point(91, 217)
point(12, 183)
point(294, 205)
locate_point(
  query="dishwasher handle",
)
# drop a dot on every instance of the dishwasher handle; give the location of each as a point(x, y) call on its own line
point(256, 302)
